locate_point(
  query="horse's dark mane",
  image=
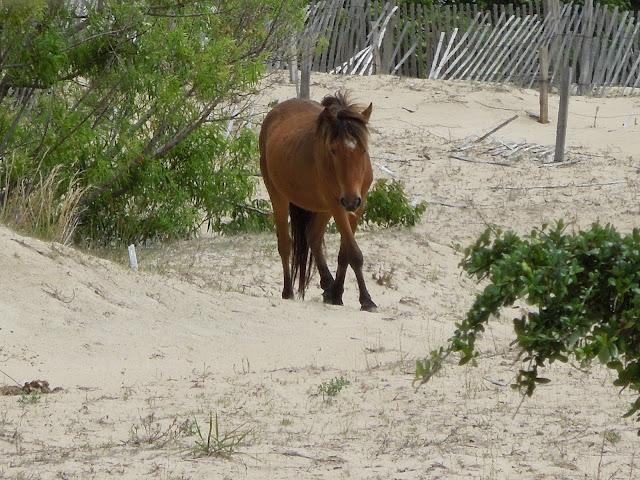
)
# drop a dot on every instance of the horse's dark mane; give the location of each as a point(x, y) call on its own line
point(351, 122)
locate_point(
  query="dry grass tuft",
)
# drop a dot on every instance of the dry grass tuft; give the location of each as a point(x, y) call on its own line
point(40, 206)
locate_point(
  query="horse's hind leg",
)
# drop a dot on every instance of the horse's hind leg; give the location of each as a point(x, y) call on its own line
point(315, 237)
point(281, 218)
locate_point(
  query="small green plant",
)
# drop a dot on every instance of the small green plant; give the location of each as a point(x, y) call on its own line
point(332, 387)
point(612, 436)
point(29, 398)
point(188, 427)
point(585, 292)
point(216, 444)
point(286, 422)
point(387, 206)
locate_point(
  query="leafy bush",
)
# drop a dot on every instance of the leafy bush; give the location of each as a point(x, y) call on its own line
point(136, 106)
point(387, 205)
point(585, 290)
point(253, 218)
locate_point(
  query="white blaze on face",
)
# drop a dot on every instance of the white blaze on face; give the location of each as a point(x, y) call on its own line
point(350, 143)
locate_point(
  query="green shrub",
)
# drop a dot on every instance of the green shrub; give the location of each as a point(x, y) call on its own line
point(253, 218)
point(387, 205)
point(585, 290)
point(138, 109)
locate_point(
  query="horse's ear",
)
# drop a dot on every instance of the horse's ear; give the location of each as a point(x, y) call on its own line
point(367, 113)
point(328, 116)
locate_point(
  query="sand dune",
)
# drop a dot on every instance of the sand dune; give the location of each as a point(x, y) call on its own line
point(143, 356)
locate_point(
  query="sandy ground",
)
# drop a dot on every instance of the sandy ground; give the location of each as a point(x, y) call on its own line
point(144, 357)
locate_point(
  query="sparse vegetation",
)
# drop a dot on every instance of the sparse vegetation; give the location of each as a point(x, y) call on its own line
point(612, 436)
point(152, 432)
point(29, 398)
point(39, 205)
point(286, 422)
point(216, 443)
point(385, 277)
point(333, 387)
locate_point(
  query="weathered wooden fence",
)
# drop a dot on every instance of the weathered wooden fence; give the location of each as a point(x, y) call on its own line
point(601, 44)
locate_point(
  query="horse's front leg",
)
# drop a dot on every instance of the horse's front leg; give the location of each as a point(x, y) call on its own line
point(350, 254)
point(315, 237)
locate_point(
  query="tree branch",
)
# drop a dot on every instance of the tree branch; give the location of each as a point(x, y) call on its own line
point(186, 131)
point(97, 35)
point(25, 102)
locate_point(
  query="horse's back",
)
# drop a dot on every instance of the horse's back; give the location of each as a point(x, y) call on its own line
point(296, 114)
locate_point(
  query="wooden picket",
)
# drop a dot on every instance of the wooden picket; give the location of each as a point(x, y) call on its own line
point(600, 44)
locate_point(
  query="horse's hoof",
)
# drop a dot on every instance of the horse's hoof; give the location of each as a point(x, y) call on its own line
point(328, 297)
point(369, 307)
point(332, 301)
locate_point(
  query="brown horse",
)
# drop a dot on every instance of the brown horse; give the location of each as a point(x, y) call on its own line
point(315, 164)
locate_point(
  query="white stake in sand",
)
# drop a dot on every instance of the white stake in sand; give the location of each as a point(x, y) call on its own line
point(133, 261)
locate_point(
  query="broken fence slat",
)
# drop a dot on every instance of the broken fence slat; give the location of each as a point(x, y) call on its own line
point(503, 124)
point(385, 169)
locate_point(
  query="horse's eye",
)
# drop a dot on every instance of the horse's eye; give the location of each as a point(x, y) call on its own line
point(333, 151)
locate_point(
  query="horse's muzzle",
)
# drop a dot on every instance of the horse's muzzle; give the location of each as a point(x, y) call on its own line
point(351, 204)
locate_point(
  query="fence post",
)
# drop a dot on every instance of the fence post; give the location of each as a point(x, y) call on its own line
point(544, 85)
point(584, 82)
point(376, 60)
point(563, 112)
point(306, 64)
point(305, 77)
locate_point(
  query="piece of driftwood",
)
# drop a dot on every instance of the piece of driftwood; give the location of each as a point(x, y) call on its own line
point(564, 185)
point(445, 204)
point(392, 159)
point(560, 164)
point(491, 162)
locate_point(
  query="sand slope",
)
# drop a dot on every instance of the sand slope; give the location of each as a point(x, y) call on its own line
point(143, 356)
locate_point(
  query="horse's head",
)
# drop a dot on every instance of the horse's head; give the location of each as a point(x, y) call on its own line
point(343, 129)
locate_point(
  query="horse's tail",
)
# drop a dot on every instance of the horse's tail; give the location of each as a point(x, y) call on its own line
point(301, 257)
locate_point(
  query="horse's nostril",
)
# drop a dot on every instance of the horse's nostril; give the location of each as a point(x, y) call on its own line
point(351, 205)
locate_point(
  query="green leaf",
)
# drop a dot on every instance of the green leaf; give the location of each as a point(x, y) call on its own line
point(542, 380)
